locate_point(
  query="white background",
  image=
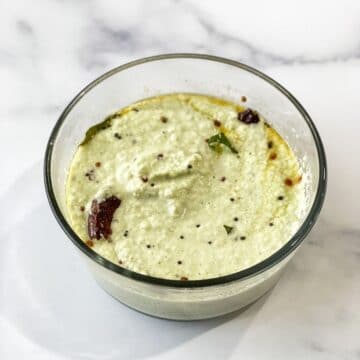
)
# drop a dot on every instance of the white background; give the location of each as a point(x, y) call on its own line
point(50, 308)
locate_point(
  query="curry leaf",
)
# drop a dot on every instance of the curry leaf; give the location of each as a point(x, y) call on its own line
point(91, 132)
point(220, 139)
point(228, 229)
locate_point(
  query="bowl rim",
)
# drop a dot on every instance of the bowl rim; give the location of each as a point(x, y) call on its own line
point(260, 267)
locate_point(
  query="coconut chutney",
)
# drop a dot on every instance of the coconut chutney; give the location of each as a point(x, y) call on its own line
point(184, 186)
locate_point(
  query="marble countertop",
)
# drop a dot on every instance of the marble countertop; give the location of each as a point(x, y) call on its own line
point(49, 50)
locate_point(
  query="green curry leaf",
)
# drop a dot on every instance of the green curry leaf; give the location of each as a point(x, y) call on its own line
point(228, 229)
point(217, 140)
point(91, 132)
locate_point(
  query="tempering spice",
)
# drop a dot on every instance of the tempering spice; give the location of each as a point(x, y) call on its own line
point(217, 142)
point(90, 175)
point(273, 156)
point(248, 116)
point(100, 218)
point(228, 229)
point(89, 243)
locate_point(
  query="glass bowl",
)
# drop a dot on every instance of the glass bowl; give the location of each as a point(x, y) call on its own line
point(190, 73)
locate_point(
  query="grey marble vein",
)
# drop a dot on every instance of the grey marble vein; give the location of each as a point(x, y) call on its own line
point(256, 55)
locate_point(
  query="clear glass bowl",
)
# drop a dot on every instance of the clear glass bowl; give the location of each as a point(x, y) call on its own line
point(175, 299)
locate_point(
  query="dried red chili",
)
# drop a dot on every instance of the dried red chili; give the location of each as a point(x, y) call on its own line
point(100, 218)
